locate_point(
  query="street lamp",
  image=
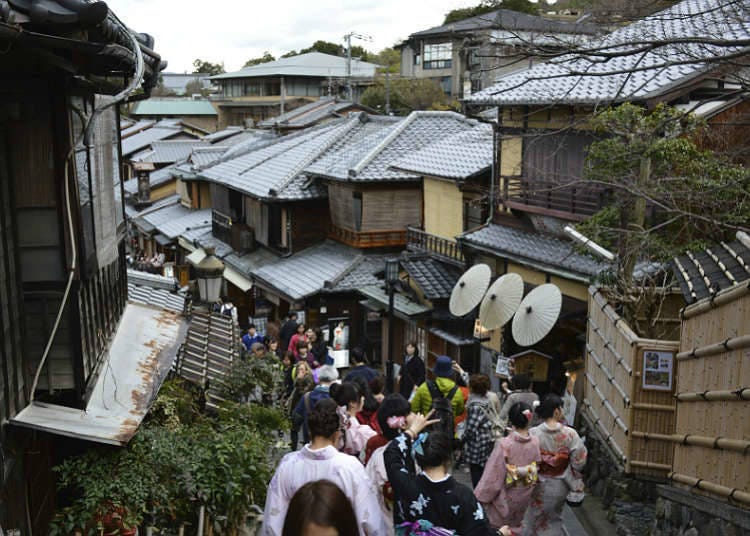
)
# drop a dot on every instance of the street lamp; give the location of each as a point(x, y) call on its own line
point(391, 280)
point(209, 272)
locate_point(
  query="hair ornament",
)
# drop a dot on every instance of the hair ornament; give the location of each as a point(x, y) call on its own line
point(396, 422)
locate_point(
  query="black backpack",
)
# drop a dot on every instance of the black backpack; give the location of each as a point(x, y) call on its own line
point(443, 407)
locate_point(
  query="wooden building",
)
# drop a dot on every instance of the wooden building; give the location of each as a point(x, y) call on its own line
point(63, 285)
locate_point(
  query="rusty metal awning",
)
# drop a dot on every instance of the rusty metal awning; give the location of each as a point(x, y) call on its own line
point(137, 363)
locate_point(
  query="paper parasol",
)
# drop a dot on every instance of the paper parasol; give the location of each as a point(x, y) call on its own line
point(537, 314)
point(501, 301)
point(469, 290)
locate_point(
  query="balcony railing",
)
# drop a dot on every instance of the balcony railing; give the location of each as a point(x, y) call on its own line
point(554, 198)
point(369, 239)
point(421, 241)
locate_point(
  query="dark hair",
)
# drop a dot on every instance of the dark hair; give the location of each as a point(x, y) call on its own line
point(377, 385)
point(371, 403)
point(520, 382)
point(323, 421)
point(251, 326)
point(394, 405)
point(437, 448)
point(414, 344)
point(321, 502)
point(357, 355)
point(479, 384)
point(548, 406)
point(517, 417)
point(292, 315)
point(269, 340)
point(301, 344)
point(345, 393)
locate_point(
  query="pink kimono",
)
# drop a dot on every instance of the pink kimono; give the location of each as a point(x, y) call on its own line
point(508, 480)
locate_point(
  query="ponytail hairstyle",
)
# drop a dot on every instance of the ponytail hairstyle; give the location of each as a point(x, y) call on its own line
point(345, 393)
point(436, 449)
point(371, 403)
point(546, 410)
point(520, 415)
point(393, 408)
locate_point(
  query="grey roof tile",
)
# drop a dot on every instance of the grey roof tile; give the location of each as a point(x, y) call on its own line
point(362, 273)
point(173, 220)
point(459, 156)
point(305, 273)
point(530, 246)
point(435, 278)
point(402, 304)
point(170, 151)
point(145, 138)
point(703, 273)
point(634, 74)
point(223, 134)
point(369, 156)
point(309, 114)
point(155, 178)
point(136, 126)
point(208, 240)
point(245, 264)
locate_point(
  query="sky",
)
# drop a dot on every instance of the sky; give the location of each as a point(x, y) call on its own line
point(233, 31)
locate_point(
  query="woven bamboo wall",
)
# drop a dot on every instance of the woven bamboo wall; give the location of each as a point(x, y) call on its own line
point(614, 399)
point(713, 393)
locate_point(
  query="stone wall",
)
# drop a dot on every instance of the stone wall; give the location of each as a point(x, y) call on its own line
point(679, 512)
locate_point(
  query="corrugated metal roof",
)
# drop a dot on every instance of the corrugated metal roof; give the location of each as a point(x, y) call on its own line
point(459, 156)
point(305, 273)
point(172, 107)
point(532, 248)
point(369, 155)
point(311, 64)
point(138, 360)
point(635, 71)
point(704, 273)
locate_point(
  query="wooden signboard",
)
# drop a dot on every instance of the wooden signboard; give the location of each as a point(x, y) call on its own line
point(533, 364)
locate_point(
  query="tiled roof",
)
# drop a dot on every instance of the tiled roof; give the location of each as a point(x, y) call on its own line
point(368, 155)
point(459, 156)
point(704, 273)
point(172, 107)
point(208, 240)
point(309, 114)
point(155, 290)
point(173, 220)
point(247, 263)
point(305, 273)
point(508, 20)
point(434, 278)
point(169, 151)
point(155, 178)
point(145, 138)
point(136, 126)
point(631, 74)
point(223, 134)
point(273, 169)
point(378, 299)
point(545, 251)
point(204, 156)
point(362, 273)
point(311, 64)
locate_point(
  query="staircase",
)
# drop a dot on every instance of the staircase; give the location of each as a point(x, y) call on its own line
point(211, 346)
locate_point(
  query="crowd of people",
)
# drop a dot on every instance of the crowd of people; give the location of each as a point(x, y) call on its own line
point(373, 463)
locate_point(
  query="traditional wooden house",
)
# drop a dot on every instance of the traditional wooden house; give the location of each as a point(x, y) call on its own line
point(63, 285)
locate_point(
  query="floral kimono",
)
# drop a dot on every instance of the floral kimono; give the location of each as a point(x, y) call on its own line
point(356, 434)
point(509, 478)
point(563, 452)
point(379, 477)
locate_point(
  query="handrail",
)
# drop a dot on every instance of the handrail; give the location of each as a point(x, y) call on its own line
point(420, 240)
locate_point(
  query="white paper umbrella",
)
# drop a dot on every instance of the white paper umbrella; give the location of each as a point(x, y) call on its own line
point(537, 314)
point(469, 290)
point(501, 301)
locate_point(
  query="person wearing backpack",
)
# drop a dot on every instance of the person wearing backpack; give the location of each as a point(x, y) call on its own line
point(441, 395)
point(479, 436)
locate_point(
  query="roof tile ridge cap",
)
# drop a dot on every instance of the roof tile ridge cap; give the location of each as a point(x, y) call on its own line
point(348, 126)
point(356, 262)
point(375, 151)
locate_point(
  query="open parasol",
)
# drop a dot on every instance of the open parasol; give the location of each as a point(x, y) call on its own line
point(469, 290)
point(537, 314)
point(501, 301)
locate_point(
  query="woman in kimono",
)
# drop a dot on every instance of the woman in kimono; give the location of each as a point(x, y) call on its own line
point(350, 401)
point(511, 473)
point(431, 502)
point(320, 459)
point(563, 454)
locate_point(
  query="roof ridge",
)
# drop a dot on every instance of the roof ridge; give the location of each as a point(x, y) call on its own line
point(375, 151)
point(345, 129)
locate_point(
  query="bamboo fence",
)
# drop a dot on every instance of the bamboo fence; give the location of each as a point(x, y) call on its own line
point(631, 420)
point(712, 435)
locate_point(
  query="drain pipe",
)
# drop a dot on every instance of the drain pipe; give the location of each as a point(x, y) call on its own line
point(588, 243)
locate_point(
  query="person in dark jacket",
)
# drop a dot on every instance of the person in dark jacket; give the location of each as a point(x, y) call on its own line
point(327, 375)
point(412, 373)
point(287, 330)
point(433, 498)
point(317, 345)
point(360, 367)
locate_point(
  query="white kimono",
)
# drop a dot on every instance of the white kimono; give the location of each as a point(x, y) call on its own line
point(306, 465)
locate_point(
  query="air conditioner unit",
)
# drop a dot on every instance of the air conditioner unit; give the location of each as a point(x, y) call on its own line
point(243, 238)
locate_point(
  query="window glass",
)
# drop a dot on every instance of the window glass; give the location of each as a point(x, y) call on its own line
point(438, 56)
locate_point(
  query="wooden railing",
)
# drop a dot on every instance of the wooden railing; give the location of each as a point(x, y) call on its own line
point(554, 197)
point(421, 241)
point(368, 239)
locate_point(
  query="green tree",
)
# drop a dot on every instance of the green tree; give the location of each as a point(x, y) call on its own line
point(334, 49)
point(195, 86)
point(265, 58)
point(202, 66)
point(389, 59)
point(407, 95)
point(487, 6)
point(161, 90)
point(669, 194)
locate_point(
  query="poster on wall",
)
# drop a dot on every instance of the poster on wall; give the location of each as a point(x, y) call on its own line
point(337, 335)
point(657, 370)
point(502, 369)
